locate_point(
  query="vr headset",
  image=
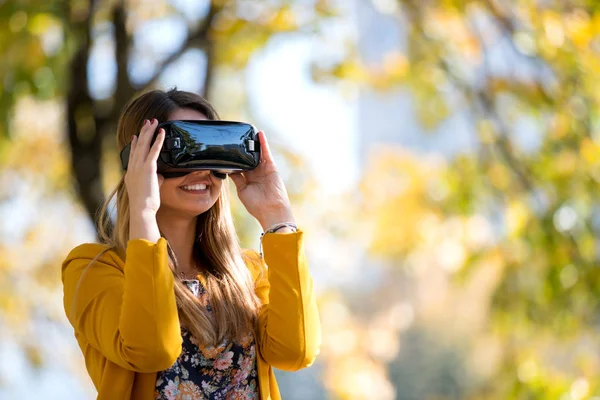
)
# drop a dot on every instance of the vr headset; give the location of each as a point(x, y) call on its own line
point(222, 147)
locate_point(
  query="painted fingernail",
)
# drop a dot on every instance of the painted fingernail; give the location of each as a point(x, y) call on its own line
point(146, 122)
point(153, 120)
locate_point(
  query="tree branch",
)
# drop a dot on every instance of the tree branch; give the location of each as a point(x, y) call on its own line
point(210, 66)
point(82, 122)
point(124, 89)
point(199, 38)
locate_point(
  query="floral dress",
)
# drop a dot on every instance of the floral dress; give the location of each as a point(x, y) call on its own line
point(220, 373)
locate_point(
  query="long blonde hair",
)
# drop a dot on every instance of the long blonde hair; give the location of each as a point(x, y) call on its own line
point(228, 282)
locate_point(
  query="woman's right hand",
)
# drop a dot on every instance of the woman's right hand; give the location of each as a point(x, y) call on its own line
point(143, 183)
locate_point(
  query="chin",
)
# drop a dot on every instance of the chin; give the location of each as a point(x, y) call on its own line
point(197, 209)
point(181, 209)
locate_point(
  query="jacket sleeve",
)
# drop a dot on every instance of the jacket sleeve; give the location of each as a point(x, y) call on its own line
point(288, 322)
point(129, 314)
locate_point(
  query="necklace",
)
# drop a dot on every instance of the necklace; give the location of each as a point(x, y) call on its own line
point(184, 275)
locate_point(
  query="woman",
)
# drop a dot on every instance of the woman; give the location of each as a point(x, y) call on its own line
point(169, 306)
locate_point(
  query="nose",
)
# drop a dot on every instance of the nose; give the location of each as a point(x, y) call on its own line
point(200, 173)
point(204, 173)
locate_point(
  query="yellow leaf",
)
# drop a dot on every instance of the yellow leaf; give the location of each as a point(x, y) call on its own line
point(589, 151)
point(40, 23)
point(517, 215)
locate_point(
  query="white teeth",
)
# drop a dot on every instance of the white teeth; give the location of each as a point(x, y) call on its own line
point(199, 186)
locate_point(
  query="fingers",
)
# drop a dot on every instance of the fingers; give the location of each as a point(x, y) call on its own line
point(156, 147)
point(146, 136)
point(161, 179)
point(132, 150)
point(139, 151)
point(265, 150)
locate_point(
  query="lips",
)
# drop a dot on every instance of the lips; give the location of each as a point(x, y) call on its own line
point(197, 185)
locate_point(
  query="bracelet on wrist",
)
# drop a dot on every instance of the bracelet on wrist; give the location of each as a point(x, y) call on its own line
point(274, 228)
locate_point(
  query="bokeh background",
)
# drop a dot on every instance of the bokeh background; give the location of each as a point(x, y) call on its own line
point(442, 157)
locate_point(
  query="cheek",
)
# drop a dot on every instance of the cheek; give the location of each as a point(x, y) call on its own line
point(167, 191)
point(216, 187)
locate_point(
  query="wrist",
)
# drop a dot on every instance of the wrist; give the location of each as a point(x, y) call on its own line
point(268, 220)
point(142, 214)
point(143, 225)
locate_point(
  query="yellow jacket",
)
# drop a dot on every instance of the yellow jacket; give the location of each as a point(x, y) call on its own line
point(126, 323)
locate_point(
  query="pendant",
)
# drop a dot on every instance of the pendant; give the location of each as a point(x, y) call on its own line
point(193, 285)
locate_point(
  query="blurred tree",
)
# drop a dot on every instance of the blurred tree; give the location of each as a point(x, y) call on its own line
point(524, 75)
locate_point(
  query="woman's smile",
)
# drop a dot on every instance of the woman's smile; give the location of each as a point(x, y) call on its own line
point(196, 188)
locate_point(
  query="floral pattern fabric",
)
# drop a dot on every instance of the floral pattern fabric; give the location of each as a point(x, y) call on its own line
point(217, 373)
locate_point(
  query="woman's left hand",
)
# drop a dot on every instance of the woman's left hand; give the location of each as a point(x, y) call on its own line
point(262, 191)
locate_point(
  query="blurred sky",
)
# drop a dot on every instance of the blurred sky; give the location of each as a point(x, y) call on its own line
point(315, 120)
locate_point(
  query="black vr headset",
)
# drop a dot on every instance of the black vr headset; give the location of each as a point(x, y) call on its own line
point(222, 147)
